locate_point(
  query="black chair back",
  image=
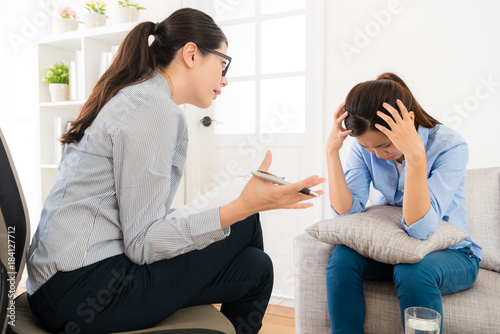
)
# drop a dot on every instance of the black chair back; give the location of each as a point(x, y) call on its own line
point(15, 214)
point(4, 296)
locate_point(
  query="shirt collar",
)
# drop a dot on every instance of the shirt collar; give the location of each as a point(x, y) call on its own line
point(161, 81)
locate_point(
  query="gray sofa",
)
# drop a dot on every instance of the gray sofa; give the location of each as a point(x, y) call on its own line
point(476, 310)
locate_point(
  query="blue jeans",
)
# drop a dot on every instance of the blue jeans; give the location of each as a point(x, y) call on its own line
point(417, 284)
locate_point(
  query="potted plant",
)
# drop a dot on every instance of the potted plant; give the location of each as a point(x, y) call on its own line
point(67, 20)
point(57, 76)
point(127, 11)
point(96, 17)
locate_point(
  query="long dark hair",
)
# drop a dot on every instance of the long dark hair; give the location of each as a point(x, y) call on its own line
point(366, 98)
point(136, 61)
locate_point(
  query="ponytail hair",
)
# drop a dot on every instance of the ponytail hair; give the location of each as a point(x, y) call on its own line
point(136, 61)
point(366, 98)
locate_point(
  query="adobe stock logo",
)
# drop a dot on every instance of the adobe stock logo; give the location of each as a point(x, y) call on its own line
point(30, 27)
point(453, 117)
point(363, 37)
point(91, 306)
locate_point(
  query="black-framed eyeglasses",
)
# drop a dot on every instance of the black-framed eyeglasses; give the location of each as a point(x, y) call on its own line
point(226, 57)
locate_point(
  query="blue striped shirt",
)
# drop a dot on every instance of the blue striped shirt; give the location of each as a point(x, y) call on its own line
point(447, 156)
point(115, 188)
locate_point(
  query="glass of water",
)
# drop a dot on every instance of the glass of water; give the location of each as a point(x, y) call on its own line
point(421, 320)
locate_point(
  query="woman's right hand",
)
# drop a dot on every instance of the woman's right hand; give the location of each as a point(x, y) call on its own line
point(259, 195)
point(263, 195)
point(338, 133)
point(340, 195)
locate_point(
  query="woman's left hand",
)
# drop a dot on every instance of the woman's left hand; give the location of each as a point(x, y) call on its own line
point(402, 132)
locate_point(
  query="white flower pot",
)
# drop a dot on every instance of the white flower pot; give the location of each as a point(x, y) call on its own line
point(64, 25)
point(59, 92)
point(127, 14)
point(93, 20)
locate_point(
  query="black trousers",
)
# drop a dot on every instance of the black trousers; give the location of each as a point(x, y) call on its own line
point(117, 295)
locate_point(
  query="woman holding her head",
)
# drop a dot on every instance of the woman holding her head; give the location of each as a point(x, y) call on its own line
point(106, 257)
point(414, 162)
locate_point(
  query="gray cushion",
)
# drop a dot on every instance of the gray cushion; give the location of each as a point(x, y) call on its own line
point(377, 234)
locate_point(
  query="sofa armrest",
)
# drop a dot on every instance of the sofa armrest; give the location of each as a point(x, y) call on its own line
point(310, 259)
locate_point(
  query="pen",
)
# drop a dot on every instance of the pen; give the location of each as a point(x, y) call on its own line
point(281, 181)
point(307, 191)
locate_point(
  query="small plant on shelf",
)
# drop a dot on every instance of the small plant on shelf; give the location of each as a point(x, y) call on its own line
point(127, 3)
point(67, 20)
point(96, 6)
point(57, 74)
point(127, 11)
point(96, 17)
point(67, 13)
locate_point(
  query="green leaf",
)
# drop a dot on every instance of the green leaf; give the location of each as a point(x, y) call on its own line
point(57, 73)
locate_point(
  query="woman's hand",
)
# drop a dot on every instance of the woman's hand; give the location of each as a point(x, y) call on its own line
point(264, 195)
point(402, 132)
point(340, 195)
point(259, 195)
point(338, 133)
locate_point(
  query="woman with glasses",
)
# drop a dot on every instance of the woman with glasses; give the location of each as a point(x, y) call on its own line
point(414, 162)
point(106, 257)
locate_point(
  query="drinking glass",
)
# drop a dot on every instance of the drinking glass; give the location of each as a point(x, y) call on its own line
point(422, 320)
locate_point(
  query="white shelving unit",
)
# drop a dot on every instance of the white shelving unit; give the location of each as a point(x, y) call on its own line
point(90, 44)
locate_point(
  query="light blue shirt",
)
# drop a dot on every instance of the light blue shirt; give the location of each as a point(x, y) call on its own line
point(447, 156)
point(115, 188)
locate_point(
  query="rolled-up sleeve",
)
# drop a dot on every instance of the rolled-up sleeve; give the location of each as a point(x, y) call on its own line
point(358, 180)
point(445, 177)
